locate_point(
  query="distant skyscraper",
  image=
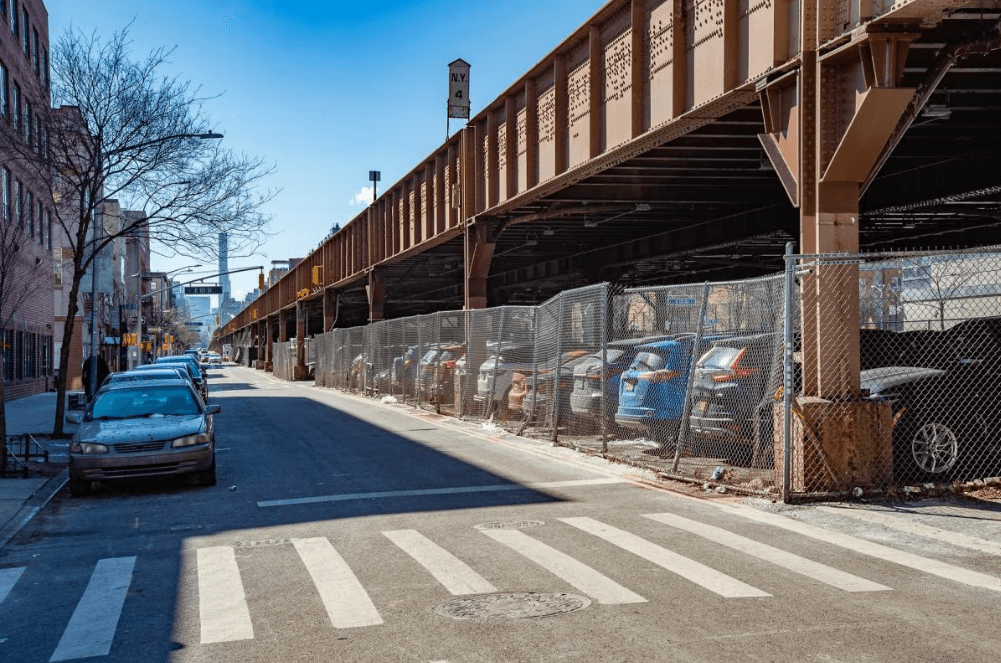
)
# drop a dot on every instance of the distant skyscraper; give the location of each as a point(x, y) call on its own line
point(224, 266)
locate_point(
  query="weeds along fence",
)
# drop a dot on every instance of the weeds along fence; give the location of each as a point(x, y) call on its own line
point(706, 382)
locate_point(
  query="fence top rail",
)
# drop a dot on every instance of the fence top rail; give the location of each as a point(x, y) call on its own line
point(891, 255)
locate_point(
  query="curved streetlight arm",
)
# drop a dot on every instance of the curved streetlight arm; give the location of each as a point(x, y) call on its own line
point(161, 139)
point(210, 276)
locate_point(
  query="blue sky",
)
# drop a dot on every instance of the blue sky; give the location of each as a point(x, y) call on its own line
point(328, 90)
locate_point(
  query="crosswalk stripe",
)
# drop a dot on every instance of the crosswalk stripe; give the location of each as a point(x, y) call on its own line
point(8, 578)
point(222, 603)
point(599, 587)
point(916, 562)
point(700, 574)
point(92, 627)
point(346, 601)
point(429, 492)
point(787, 560)
point(905, 525)
point(448, 569)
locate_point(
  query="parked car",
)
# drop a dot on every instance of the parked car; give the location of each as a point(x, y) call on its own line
point(539, 388)
point(133, 430)
point(945, 410)
point(585, 399)
point(729, 399)
point(493, 377)
point(197, 376)
point(404, 371)
point(526, 381)
point(437, 371)
point(151, 372)
point(652, 390)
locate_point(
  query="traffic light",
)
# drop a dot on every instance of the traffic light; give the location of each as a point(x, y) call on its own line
point(260, 281)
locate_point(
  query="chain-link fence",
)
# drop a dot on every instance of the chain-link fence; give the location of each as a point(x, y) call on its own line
point(896, 368)
point(889, 362)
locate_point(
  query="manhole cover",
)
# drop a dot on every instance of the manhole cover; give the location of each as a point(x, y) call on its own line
point(512, 606)
point(511, 524)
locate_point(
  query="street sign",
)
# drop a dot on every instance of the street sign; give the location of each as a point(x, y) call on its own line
point(192, 323)
point(203, 289)
point(458, 89)
point(681, 301)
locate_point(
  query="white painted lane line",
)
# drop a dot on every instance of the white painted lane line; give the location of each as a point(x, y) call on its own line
point(346, 601)
point(448, 569)
point(222, 604)
point(700, 574)
point(92, 627)
point(439, 491)
point(599, 587)
point(820, 572)
point(905, 524)
point(916, 562)
point(8, 578)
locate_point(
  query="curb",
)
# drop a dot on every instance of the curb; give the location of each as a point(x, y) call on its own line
point(32, 506)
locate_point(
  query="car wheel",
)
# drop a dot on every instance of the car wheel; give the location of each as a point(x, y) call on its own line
point(207, 477)
point(80, 487)
point(926, 449)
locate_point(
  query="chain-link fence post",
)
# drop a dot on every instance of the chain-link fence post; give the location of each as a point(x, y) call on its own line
point(788, 359)
point(557, 365)
point(686, 410)
point(497, 359)
point(605, 302)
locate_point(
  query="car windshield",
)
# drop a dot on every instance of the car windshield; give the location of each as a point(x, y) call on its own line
point(720, 358)
point(144, 402)
point(647, 361)
point(429, 357)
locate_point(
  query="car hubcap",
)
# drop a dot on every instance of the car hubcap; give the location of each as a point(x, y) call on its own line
point(935, 448)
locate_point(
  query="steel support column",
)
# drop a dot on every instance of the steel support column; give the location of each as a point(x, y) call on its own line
point(376, 290)
point(300, 371)
point(478, 256)
point(329, 309)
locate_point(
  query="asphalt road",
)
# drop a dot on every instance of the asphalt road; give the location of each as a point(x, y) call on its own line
point(343, 529)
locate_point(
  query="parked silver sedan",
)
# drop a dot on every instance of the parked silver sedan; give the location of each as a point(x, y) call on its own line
point(133, 429)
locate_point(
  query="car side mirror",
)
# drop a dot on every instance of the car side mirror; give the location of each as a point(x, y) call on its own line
point(213, 409)
point(73, 417)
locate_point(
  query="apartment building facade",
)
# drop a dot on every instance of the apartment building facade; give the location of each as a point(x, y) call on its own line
point(27, 317)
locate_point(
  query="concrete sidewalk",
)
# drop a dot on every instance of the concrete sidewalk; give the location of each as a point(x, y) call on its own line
point(21, 499)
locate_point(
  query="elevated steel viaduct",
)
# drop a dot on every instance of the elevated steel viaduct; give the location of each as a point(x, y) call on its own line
point(686, 140)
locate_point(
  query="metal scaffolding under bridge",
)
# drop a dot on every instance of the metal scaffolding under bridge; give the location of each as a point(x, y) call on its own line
point(675, 141)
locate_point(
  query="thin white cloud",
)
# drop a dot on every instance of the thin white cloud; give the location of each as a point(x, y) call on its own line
point(362, 197)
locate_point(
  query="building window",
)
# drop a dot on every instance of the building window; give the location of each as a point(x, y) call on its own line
point(31, 215)
point(19, 355)
point(19, 202)
point(45, 68)
point(48, 229)
point(13, 19)
point(34, 52)
point(8, 354)
point(4, 85)
point(24, 30)
point(6, 195)
point(41, 224)
point(46, 356)
point(15, 110)
point(27, 122)
point(38, 133)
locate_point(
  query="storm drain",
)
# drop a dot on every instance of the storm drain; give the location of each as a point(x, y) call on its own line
point(523, 605)
point(510, 524)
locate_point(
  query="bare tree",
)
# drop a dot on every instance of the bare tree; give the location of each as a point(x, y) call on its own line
point(20, 282)
point(121, 130)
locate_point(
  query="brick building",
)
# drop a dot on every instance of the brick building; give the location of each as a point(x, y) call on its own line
point(26, 336)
